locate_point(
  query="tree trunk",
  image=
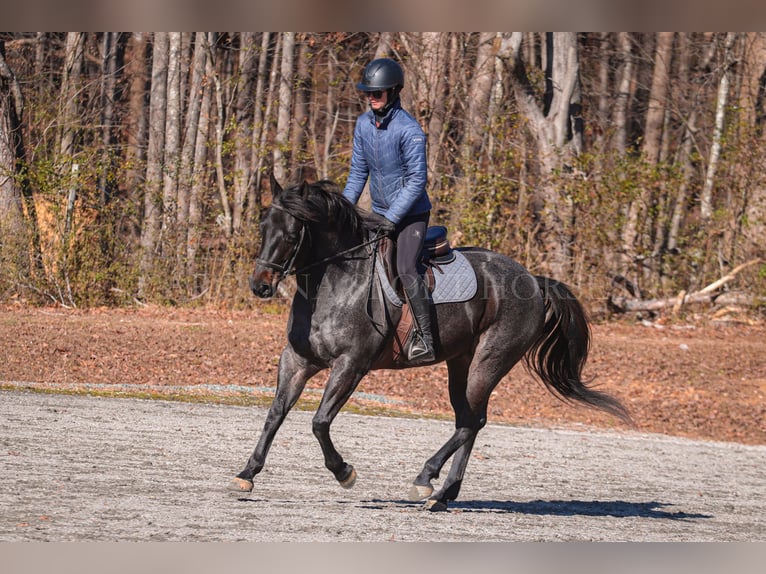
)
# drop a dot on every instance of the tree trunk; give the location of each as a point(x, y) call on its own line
point(136, 122)
point(282, 136)
point(634, 233)
point(604, 95)
point(70, 88)
point(753, 99)
point(551, 125)
point(706, 197)
point(655, 116)
point(155, 156)
point(273, 79)
point(431, 101)
point(259, 128)
point(224, 221)
point(200, 180)
point(14, 256)
point(302, 91)
point(191, 134)
point(199, 177)
point(172, 142)
point(243, 127)
point(108, 87)
point(755, 103)
point(331, 112)
point(383, 49)
point(622, 104)
point(69, 114)
point(478, 96)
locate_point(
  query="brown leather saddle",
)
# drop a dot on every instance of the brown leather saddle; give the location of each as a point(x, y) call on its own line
point(436, 251)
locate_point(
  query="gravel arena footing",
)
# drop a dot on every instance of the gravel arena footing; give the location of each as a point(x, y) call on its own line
point(78, 468)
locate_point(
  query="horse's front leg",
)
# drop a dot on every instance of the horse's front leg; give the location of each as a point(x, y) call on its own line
point(344, 378)
point(294, 371)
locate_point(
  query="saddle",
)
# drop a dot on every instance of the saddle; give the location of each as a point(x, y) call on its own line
point(436, 252)
point(434, 264)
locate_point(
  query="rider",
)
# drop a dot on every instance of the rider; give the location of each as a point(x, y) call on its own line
point(389, 149)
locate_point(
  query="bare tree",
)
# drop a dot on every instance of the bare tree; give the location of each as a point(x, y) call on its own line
point(479, 88)
point(624, 93)
point(155, 155)
point(431, 100)
point(11, 212)
point(552, 123)
point(243, 127)
point(224, 221)
point(655, 116)
point(108, 94)
point(70, 89)
point(302, 90)
point(263, 131)
point(199, 180)
point(653, 134)
point(192, 133)
point(135, 124)
point(282, 136)
point(706, 197)
point(171, 160)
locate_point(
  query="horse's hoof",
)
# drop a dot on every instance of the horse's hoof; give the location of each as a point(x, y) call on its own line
point(350, 480)
point(433, 505)
point(240, 485)
point(420, 492)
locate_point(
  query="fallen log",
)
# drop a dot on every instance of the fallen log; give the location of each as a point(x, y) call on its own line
point(710, 294)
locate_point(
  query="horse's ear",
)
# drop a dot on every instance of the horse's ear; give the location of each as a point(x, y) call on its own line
point(305, 189)
point(276, 189)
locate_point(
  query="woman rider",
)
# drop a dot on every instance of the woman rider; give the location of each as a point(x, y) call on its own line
point(389, 149)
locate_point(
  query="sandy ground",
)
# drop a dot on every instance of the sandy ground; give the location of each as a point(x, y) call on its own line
point(76, 468)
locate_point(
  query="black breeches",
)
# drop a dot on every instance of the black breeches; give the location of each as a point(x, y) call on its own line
point(411, 232)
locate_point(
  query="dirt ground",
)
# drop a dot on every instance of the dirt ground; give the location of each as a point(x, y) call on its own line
point(694, 378)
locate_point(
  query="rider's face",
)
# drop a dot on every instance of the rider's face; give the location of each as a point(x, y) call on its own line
point(377, 99)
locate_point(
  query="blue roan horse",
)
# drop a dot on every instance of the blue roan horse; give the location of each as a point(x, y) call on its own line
point(311, 231)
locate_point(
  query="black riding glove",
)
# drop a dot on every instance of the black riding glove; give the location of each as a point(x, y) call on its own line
point(386, 227)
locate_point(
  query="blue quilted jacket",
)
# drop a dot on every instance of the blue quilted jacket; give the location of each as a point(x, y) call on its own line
point(393, 156)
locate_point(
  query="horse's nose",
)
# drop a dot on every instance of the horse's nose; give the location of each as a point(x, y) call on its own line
point(261, 289)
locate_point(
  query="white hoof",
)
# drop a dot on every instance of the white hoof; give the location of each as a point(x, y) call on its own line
point(350, 481)
point(240, 485)
point(418, 492)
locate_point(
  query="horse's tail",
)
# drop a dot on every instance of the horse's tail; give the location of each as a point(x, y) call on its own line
point(559, 354)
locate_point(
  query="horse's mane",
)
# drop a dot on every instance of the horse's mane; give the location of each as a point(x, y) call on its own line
point(324, 203)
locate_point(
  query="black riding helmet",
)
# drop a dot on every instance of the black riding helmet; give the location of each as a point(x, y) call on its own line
point(383, 74)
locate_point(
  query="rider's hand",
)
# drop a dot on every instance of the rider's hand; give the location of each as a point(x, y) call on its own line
point(386, 227)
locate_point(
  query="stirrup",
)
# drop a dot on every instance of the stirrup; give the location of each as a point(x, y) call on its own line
point(419, 349)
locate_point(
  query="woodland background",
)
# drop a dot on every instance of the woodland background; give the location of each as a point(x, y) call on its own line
point(133, 166)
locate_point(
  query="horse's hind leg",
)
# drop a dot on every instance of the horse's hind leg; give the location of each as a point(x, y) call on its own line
point(293, 374)
point(465, 430)
point(470, 386)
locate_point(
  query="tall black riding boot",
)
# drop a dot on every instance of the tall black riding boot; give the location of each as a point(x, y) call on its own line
point(421, 347)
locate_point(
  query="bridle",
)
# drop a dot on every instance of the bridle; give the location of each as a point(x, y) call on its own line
point(287, 268)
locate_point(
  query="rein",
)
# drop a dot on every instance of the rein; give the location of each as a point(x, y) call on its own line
point(335, 256)
point(286, 269)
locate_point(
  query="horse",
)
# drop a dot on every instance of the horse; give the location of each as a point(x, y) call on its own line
point(311, 231)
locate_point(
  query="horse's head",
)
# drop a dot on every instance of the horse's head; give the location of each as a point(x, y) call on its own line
point(282, 237)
